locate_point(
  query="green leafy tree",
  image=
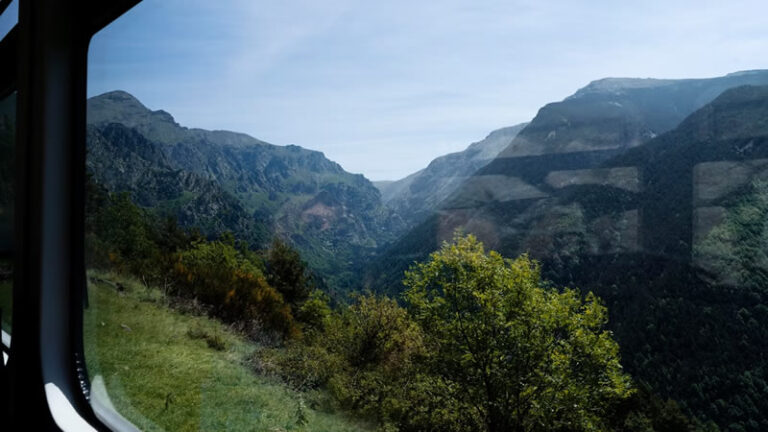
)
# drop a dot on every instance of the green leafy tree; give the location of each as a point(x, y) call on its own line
point(377, 342)
point(524, 356)
point(122, 237)
point(288, 273)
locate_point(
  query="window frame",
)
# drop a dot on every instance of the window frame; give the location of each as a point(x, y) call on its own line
point(46, 52)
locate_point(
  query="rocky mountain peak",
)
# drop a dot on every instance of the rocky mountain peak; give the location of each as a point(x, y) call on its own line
point(619, 85)
point(122, 107)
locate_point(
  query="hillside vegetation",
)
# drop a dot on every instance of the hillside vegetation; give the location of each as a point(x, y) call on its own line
point(168, 367)
point(671, 234)
point(650, 196)
point(220, 336)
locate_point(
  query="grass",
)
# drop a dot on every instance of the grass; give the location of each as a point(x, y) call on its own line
point(165, 370)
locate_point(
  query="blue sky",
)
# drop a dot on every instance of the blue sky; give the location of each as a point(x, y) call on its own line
point(8, 18)
point(384, 87)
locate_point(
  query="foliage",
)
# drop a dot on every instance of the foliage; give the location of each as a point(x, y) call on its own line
point(288, 273)
point(223, 274)
point(524, 356)
point(121, 236)
point(314, 312)
point(484, 345)
point(377, 343)
point(643, 411)
point(162, 379)
point(364, 355)
point(217, 274)
point(736, 249)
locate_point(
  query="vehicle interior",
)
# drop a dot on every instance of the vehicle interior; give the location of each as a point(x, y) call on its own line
point(336, 216)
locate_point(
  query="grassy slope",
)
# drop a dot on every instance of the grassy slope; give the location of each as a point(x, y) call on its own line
point(160, 378)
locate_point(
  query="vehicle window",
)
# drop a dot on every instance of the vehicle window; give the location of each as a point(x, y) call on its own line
point(451, 216)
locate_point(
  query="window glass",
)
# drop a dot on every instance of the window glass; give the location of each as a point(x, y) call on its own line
point(453, 216)
point(9, 18)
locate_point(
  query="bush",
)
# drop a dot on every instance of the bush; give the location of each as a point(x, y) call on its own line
point(220, 276)
point(287, 273)
point(120, 237)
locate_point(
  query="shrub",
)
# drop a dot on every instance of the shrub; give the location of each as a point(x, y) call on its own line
point(220, 276)
point(287, 273)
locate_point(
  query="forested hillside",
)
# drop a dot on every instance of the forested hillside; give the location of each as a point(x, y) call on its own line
point(671, 234)
point(539, 359)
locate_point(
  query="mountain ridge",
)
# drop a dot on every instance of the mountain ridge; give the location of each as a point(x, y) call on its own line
point(419, 193)
point(332, 216)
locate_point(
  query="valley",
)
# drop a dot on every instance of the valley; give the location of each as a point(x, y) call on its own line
point(649, 193)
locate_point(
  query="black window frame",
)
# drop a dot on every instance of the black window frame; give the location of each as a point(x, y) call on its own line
point(45, 60)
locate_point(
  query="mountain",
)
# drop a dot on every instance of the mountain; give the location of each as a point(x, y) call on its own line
point(689, 303)
point(220, 180)
point(671, 232)
point(415, 196)
point(518, 201)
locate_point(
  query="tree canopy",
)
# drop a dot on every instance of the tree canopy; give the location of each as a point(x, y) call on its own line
point(525, 356)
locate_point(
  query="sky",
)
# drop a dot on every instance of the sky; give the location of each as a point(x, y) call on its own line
point(9, 18)
point(385, 87)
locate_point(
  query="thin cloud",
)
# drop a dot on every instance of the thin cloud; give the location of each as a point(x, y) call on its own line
point(384, 87)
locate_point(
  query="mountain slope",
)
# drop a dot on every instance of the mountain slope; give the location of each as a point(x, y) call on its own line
point(415, 196)
point(224, 180)
point(671, 234)
point(512, 202)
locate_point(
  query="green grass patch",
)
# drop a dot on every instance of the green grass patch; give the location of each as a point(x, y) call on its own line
point(165, 370)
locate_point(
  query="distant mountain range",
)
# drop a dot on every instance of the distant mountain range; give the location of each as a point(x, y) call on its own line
point(220, 180)
point(226, 181)
point(523, 200)
point(651, 193)
point(666, 219)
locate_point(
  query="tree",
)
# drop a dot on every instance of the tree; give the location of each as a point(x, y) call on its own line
point(124, 234)
point(287, 273)
point(524, 356)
